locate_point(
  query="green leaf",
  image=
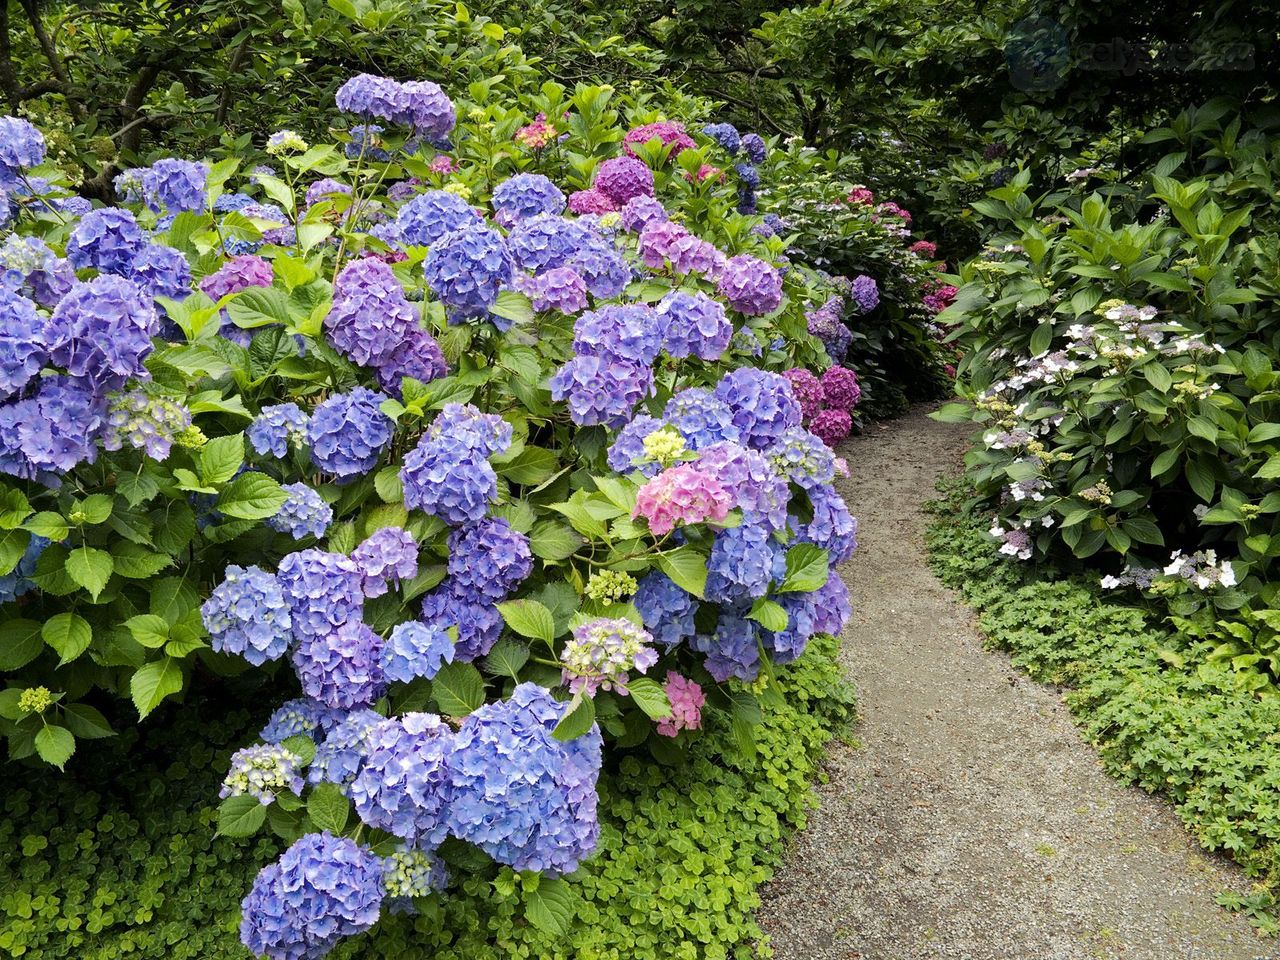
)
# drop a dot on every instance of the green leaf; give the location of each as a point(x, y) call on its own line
point(1041, 339)
point(578, 719)
point(86, 722)
point(687, 568)
point(13, 544)
point(300, 745)
point(514, 306)
point(221, 457)
point(149, 629)
point(506, 658)
point(529, 618)
point(68, 634)
point(530, 467)
point(21, 641)
point(90, 568)
point(551, 906)
point(1158, 376)
point(47, 524)
point(96, 508)
point(387, 483)
point(259, 306)
point(153, 682)
point(769, 615)
point(650, 697)
point(252, 496)
point(55, 745)
point(241, 816)
point(328, 808)
point(458, 689)
point(1203, 427)
point(807, 569)
point(137, 563)
point(552, 540)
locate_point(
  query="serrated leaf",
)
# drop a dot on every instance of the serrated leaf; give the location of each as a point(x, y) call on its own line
point(328, 808)
point(578, 719)
point(807, 569)
point(68, 634)
point(553, 541)
point(769, 615)
point(458, 689)
point(529, 618)
point(388, 485)
point(91, 568)
point(687, 568)
point(137, 563)
point(507, 658)
point(13, 544)
point(530, 467)
point(86, 722)
point(149, 629)
point(55, 745)
point(21, 641)
point(221, 457)
point(650, 697)
point(241, 816)
point(257, 307)
point(153, 682)
point(47, 524)
point(252, 496)
point(551, 906)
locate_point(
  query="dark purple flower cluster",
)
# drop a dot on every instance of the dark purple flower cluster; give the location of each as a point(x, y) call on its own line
point(466, 269)
point(624, 178)
point(343, 667)
point(601, 389)
point(418, 104)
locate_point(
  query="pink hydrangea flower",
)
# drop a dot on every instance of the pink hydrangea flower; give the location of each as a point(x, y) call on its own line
point(705, 172)
point(668, 131)
point(924, 249)
point(939, 299)
point(893, 210)
point(681, 495)
point(442, 164)
point(623, 178)
point(590, 201)
point(807, 389)
point(840, 387)
point(861, 194)
point(665, 242)
point(831, 426)
point(536, 135)
point(687, 700)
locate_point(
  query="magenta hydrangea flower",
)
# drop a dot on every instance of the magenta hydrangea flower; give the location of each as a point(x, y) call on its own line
point(591, 201)
point(624, 178)
point(561, 288)
point(680, 495)
point(687, 700)
point(238, 273)
point(662, 243)
point(750, 286)
point(807, 389)
point(840, 386)
point(832, 426)
point(669, 132)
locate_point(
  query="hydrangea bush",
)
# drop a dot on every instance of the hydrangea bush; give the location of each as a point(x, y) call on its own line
point(362, 438)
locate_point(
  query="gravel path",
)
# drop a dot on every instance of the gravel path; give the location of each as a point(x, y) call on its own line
point(971, 821)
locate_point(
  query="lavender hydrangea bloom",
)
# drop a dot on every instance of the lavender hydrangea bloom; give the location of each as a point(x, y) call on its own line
point(639, 212)
point(832, 527)
point(466, 269)
point(545, 242)
point(488, 559)
point(751, 481)
point(262, 771)
point(161, 272)
point(107, 240)
point(29, 267)
point(448, 478)
point(428, 217)
point(754, 146)
point(526, 195)
point(624, 178)
point(525, 798)
point(339, 758)
point(324, 888)
point(560, 288)
point(628, 447)
point(389, 554)
point(238, 273)
point(667, 609)
point(348, 432)
point(865, 293)
point(322, 590)
point(802, 458)
point(826, 324)
point(630, 331)
point(831, 606)
point(733, 650)
point(175, 185)
point(102, 331)
point(743, 562)
point(601, 266)
point(371, 318)
point(702, 419)
point(227, 202)
point(21, 147)
point(325, 189)
point(145, 422)
point(485, 433)
point(404, 786)
point(478, 621)
point(695, 325)
point(750, 286)
point(415, 650)
point(23, 351)
point(762, 404)
point(304, 512)
point(52, 431)
point(601, 389)
point(342, 668)
point(300, 717)
point(276, 428)
point(247, 614)
point(419, 357)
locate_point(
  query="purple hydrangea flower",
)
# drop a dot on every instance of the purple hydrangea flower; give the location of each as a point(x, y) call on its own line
point(448, 478)
point(389, 554)
point(662, 243)
point(628, 447)
point(831, 606)
point(601, 266)
point(419, 357)
point(21, 147)
point(750, 286)
point(802, 458)
point(485, 433)
point(238, 273)
point(342, 668)
point(695, 325)
point(324, 888)
point(667, 609)
point(624, 178)
point(526, 195)
point(52, 431)
point(247, 614)
point(175, 185)
point(640, 211)
point(832, 527)
point(403, 786)
point(725, 134)
point(428, 217)
point(323, 591)
point(339, 758)
point(601, 389)
point(325, 189)
point(545, 242)
point(161, 272)
point(300, 717)
point(23, 351)
point(107, 240)
point(414, 650)
point(560, 288)
point(30, 268)
point(276, 428)
point(755, 486)
point(744, 560)
point(102, 331)
point(466, 269)
point(348, 432)
point(865, 293)
point(525, 798)
point(304, 512)
point(754, 146)
point(762, 404)
point(733, 650)
point(487, 559)
point(616, 331)
point(702, 419)
point(371, 318)
point(478, 621)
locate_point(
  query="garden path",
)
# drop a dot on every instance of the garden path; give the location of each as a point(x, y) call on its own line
point(970, 820)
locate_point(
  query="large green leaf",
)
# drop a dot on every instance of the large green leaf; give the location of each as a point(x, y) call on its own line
point(650, 697)
point(68, 634)
point(551, 906)
point(240, 816)
point(529, 618)
point(153, 682)
point(90, 568)
point(458, 689)
point(807, 569)
point(21, 641)
point(687, 568)
point(328, 808)
point(252, 496)
point(55, 745)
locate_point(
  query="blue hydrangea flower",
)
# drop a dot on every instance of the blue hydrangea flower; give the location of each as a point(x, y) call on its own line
point(419, 104)
point(802, 458)
point(232, 201)
point(428, 217)
point(488, 559)
point(485, 433)
point(247, 614)
point(323, 591)
point(754, 146)
point(300, 717)
point(466, 269)
point(762, 404)
point(276, 428)
point(744, 560)
point(702, 419)
point(366, 143)
point(161, 271)
point(348, 432)
point(667, 609)
point(415, 649)
point(559, 288)
point(831, 606)
point(389, 554)
point(448, 478)
point(29, 267)
point(629, 447)
point(371, 318)
point(725, 134)
point(107, 240)
point(322, 889)
point(785, 645)
point(102, 331)
point(525, 798)
point(145, 422)
point(478, 621)
point(52, 431)
point(23, 351)
point(733, 650)
point(832, 527)
point(403, 786)
point(601, 389)
point(748, 175)
point(21, 147)
point(339, 758)
point(262, 771)
point(629, 331)
point(545, 242)
point(694, 325)
point(17, 581)
point(759, 490)
point(175, 185)
point(342, 668)
point(601, 265)
point(304, 512)
point(526, 195)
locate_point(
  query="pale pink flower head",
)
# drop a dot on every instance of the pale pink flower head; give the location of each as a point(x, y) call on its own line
point(442, 164)
point(681, 494)
point(687, 700)
point(590, 201)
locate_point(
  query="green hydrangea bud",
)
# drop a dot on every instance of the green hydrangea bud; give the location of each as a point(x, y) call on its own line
point(35, 700)
point(191, 438)
point(610, 586)
point(665, 445)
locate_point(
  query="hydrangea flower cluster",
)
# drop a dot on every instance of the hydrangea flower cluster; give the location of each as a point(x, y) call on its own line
point(101, 331)
point(488, 559)
point(415, 649)
point(348, 432)
point(21, 147)
point(624, 178)
point(409, 873)
point(701, 418)
point(687, 700)
point(560, 288)
point(174, 186)
point(694, 325)
point(300, 717)
point(403, 786)
point(247, 614)
point(343, 667)
point(750, 286)
point(418, 104)
point(388, 555)
point(145, 422)
point(601, 389)
point(602, 654)
point(277, 428)
point(323, 591)
point(669, 133)
point(664, 243)
point(447, 474)
point(303, 513)
point(466, 269)
point(642, 210)
point(261, 772)
point(340, 757)
point(526, 195)
point(431, 215)
point(681, 495)
point(762, 404)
